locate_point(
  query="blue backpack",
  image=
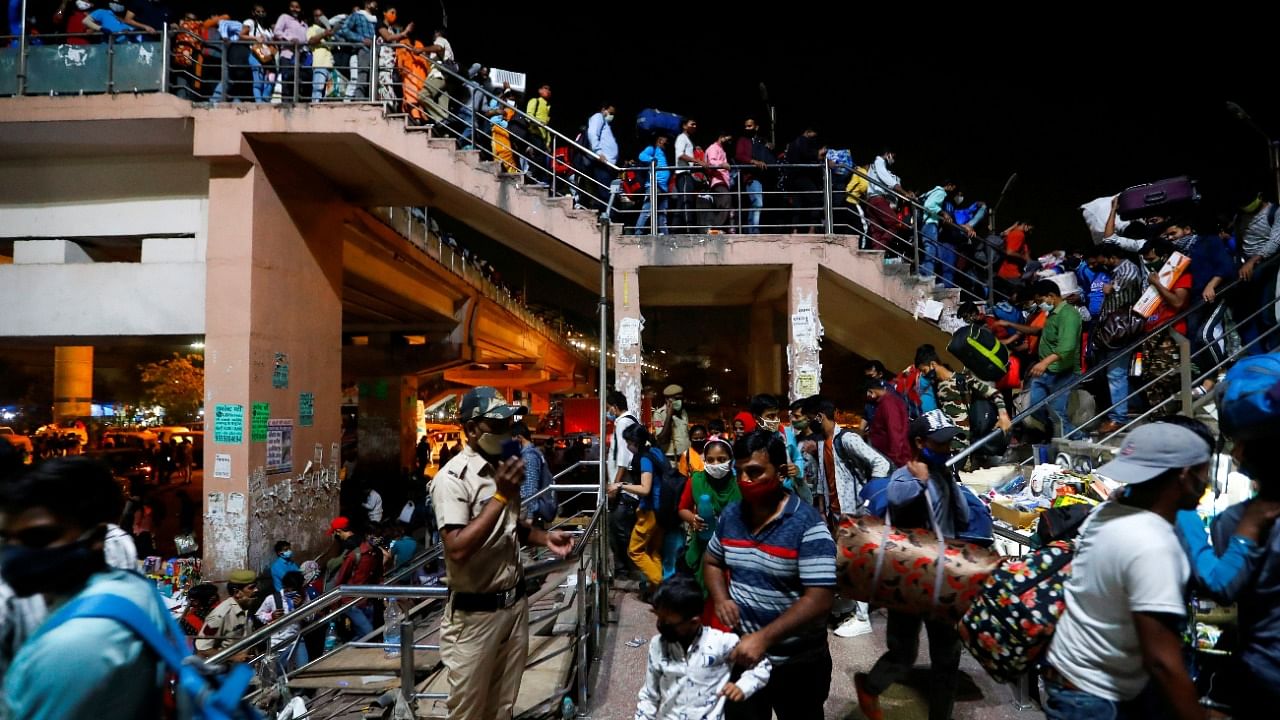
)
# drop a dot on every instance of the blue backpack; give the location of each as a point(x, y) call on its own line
point(980, 530)
point(1250, 399)
point(201, 693)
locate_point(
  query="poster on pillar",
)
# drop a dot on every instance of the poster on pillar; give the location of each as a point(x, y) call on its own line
point(629, 329)
point(805, 329)
point(306, 409)
point(279, 445)
point(280, 372)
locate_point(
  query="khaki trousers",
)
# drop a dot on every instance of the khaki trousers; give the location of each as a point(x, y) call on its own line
point(484, 654)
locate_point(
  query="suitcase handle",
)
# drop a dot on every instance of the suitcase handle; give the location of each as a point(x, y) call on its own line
point(1155, 197)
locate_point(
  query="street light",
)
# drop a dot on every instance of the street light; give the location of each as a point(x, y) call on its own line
point(1273, 146)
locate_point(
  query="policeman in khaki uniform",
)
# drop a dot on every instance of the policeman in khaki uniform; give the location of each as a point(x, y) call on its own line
point(229, 621)
point(484, 639)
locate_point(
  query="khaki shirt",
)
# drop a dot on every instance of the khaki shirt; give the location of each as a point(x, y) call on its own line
point(459, 493)
point(679, 433)
point(224, 626)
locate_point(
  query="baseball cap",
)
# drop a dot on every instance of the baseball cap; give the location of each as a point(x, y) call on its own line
point(1153, 449)
point(339, 523)
point(936, 426)
point(487, 402)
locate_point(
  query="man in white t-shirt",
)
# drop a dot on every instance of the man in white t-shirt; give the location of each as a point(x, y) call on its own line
point(686, 199)
point(1125, 599)
point(622, 519)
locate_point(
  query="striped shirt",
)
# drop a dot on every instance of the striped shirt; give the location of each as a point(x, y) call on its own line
point(1126, 286)
point(769, 570)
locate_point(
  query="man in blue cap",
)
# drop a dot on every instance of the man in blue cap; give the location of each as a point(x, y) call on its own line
point(484, 638)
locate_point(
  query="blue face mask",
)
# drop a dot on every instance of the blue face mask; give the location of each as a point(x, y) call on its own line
point(611, 416)
point(934, 457)
point(286, 554)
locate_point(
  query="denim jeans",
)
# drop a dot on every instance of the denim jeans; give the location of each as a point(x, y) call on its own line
point(941, 252)
point(1063, 704)
point(1045, 385)
point(642, 224)
point(755, 201)
point(465, 113)
point(320, 78)
point(261, 88)
point(1118, 386)
point(361, 620)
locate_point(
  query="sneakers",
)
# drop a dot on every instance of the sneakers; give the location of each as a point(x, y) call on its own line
point(853, 626)
point(869, 704)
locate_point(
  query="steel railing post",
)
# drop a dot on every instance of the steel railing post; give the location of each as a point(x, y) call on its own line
point(827, 220)
point(915, 238)
point(653, 197)
point(1184, 370)
point(164, 60)
point(407, 680)
point(111, 63)
point(297, 73)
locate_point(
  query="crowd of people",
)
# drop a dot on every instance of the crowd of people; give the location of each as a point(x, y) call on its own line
point(743, 574)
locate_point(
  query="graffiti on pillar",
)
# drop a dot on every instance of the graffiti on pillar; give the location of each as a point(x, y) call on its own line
point(306, 498)
point(805, 344)
point(629, 329)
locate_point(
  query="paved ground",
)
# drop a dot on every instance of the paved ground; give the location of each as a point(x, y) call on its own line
point(622, 674)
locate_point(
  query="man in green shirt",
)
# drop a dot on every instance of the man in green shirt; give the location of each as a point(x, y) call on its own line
point(1059, 353)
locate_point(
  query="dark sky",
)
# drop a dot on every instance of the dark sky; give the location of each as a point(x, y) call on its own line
point(1078, 107)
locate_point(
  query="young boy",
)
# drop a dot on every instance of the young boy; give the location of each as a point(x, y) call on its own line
point(689, 669)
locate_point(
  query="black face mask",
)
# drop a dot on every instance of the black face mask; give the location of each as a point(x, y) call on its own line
point(59, 570)
point(932, 376)
point(698, 445)
point(749, 132)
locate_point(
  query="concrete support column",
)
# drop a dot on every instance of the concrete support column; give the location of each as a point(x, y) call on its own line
point(804, 332)
point(764, 351)
point(388, 421)
point(72, 382)
point(273, 356)
point(627, 344)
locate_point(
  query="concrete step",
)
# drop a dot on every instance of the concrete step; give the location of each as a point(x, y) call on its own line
point(442, 143)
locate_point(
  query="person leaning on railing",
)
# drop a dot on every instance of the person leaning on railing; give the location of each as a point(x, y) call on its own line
point(111, 20)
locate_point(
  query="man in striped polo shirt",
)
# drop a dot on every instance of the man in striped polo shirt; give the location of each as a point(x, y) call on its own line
point(771, 573)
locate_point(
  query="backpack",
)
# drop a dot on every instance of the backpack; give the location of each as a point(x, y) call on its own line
point(1117, 328)
point(544, 508)
point(1250, 399)
point(907, 386)
point(858, 467)
point(669, 486)
point(197, 690)
point(980, 529)
point(980, 351)
point(1011, 622)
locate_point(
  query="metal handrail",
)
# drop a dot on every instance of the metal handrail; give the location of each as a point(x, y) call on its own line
point(1195, 305)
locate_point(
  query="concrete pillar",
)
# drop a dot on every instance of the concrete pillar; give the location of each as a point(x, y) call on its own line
point(72, 382)
point(764, 352)
point(273, 350)
point(388, 421)
point(627, 343)
point(804, 332)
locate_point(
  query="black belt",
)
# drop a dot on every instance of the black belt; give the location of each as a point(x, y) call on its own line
point(487, 602)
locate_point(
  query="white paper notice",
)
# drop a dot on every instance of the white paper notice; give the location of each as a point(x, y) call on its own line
point(222, 465)
point(318, 458)
point(216, 506)
point(235, 504)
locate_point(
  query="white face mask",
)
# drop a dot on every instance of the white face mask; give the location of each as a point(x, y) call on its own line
point(1047, 307)
point(770, 425)
point(84, 5)
point(608, 117)
point(116, 8)
point(677, 405)
point(717, 470)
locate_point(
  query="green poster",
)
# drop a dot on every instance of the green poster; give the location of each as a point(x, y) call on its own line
point(258, 421)
point(306, 409)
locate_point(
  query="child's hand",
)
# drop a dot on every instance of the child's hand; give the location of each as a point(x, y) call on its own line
point(733, 693)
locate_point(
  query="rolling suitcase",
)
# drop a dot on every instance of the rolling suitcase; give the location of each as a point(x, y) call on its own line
point(1164, 197)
